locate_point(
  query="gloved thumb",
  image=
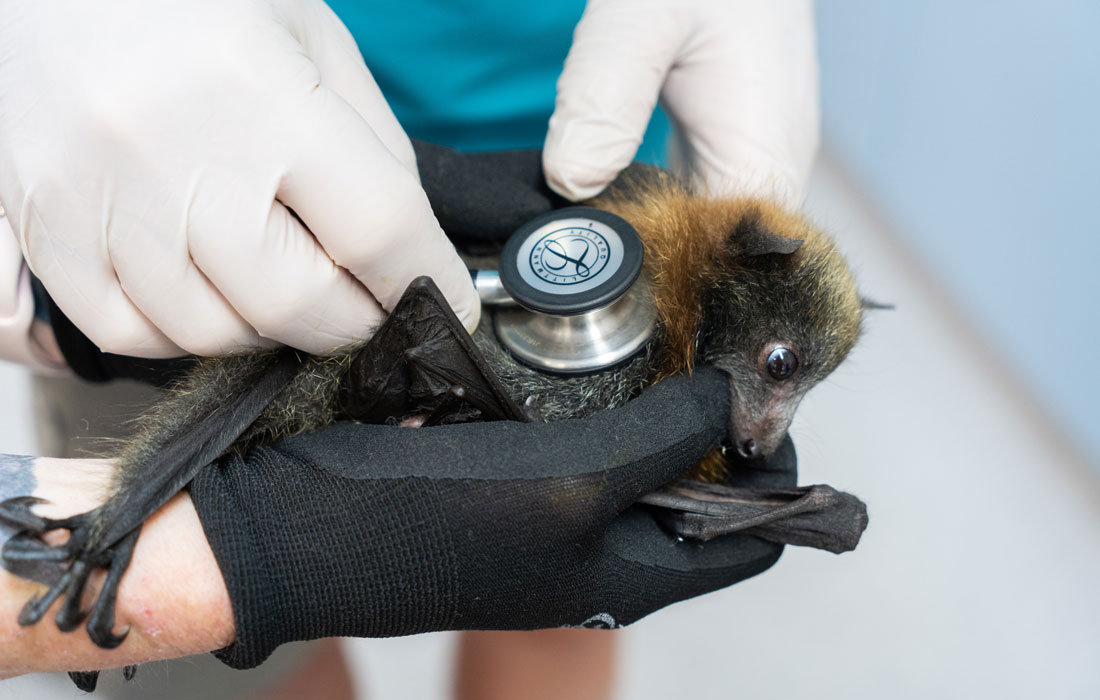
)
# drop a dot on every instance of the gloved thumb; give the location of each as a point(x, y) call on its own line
point(644, 569)
point(619, 59)
point(661, 434)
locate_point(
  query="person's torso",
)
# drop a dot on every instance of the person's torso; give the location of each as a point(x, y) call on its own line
point(476, 75)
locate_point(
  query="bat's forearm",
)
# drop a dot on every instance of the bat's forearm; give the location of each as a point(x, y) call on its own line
point(173, 596)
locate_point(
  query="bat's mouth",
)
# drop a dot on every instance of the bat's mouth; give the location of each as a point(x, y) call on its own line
point(414, 421)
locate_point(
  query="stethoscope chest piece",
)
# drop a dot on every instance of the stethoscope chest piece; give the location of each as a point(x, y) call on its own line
point(575, 273)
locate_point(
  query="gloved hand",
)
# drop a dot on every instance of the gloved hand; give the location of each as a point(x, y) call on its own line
point(375, 531)
point(207, 176)
point(737, 79)
point(479, 198)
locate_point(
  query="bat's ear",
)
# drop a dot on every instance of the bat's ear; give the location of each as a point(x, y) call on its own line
point(869, 304)
point(751, 238)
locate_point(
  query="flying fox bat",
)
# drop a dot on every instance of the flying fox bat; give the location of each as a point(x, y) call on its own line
point(739, 284)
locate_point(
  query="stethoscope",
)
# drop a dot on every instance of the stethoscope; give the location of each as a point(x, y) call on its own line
point(567, 297)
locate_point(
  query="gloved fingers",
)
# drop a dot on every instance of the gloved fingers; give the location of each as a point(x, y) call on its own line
point(366, 210)
point(272, 271)
point(331, 47)
point(744, 96)
point(94, 297)
point(159, 276)
point(673, 425)
point(621, 54)
point(607, 461)
point(645, 568)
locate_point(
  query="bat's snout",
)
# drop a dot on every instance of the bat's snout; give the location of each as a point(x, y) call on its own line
point(756, 444)
point(748, 448)
point(759, 421)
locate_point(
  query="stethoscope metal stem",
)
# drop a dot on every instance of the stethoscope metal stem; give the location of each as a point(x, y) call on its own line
point(574, 344)
point(489, 288)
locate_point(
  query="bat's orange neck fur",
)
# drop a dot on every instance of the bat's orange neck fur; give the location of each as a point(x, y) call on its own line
point(687, 241)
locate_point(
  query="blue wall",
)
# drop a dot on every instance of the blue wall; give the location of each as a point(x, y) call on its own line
point(975, 125)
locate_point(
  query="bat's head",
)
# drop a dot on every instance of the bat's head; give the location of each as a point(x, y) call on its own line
point(780, 311)
point(749, 287)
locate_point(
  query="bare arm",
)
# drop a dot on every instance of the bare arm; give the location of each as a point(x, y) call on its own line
point(173, 595)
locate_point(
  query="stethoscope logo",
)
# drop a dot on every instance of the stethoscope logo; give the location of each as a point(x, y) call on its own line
point(569, 255)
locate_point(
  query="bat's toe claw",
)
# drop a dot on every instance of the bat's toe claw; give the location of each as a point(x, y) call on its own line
point(71, 615)
point(103, 636)
point(26, 547)
point(37, 606)
point(65, 568)
point(17, 512)
point(102, 621)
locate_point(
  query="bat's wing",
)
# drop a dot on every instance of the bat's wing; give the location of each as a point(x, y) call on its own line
point(421, 361)
point(811, 516)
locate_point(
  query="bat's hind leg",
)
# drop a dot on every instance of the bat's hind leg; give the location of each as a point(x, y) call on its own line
point(65, 569)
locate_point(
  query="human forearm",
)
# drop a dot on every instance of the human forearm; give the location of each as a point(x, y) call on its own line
point(172, 597)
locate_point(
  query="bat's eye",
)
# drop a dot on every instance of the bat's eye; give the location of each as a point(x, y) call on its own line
point(781, 363)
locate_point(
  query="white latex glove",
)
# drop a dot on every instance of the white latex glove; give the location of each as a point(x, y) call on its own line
point(151, 152)
point(737, 78)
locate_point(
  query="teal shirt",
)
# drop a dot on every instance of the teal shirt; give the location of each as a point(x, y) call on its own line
point(476, 75)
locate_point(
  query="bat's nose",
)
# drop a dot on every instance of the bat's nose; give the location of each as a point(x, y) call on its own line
point(748, 449)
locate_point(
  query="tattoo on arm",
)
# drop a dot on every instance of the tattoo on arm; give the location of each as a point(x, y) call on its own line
point(16, 479)
point(16, 476)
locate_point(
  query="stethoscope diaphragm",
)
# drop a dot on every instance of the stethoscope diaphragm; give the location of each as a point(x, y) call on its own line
point(574, 274)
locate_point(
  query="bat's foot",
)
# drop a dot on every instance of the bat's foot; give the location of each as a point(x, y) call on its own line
point(65, 568)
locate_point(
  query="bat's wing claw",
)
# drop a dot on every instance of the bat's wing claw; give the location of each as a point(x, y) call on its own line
point(85, 680)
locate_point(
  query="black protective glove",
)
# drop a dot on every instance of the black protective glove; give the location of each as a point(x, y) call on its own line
point(375, 531)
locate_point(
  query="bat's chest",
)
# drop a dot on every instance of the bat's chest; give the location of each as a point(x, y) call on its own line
point(562, 396)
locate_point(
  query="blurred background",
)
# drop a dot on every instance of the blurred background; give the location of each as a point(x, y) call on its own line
point(972, 128)
point(959, 174)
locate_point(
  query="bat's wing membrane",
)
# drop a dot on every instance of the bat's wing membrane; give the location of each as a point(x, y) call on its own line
point(422, 361)
point(812, 516)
